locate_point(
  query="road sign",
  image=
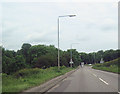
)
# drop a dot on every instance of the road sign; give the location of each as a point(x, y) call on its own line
point(101, 61)
point(71, 62)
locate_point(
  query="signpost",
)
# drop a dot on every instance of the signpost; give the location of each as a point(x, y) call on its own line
point(71, 62)
point(101, 61)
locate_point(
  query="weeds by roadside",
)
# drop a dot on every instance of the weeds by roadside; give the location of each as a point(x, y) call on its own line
point(27, 78)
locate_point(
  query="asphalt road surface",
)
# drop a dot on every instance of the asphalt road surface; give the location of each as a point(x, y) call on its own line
point(87, 79)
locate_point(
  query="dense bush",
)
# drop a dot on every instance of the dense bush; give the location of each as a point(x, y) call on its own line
point(27, 72)
point(45, 61)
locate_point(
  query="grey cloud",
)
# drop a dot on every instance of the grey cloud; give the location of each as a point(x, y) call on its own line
point(41, 39)
point(47, 38)
point(8, 32)
point(109, 28)
point(91, 25)
point(83, 39)
point(39, 25)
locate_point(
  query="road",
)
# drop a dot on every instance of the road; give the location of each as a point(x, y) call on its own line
point(87, 79)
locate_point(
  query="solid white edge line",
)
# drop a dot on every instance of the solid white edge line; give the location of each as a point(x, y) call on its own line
point(103, 81)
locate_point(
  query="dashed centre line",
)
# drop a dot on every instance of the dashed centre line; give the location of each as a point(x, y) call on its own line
point(103, 81)
point(95, 75)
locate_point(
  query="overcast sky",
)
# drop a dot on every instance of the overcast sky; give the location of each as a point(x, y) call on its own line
point(95, 26)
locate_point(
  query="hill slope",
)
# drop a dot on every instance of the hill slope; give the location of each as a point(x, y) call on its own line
point(111, 66)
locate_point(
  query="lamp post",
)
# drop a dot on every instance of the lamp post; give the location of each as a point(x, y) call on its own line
point(58, 36)
point(94, 58)
point(71, 62)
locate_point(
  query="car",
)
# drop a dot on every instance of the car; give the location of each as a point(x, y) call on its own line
point(89, 64)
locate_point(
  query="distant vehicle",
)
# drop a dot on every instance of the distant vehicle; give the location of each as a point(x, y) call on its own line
point(89, 64)
point(82, 64)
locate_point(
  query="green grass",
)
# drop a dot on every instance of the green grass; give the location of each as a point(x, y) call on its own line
point(27, 78)
point(111, 66)
point(109, 69)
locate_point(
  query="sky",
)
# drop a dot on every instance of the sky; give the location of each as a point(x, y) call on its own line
point(95, 26)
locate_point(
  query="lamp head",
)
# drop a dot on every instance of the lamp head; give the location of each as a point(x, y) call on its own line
point(72, 15)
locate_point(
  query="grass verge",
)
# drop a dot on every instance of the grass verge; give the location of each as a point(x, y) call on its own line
point(111, 66)
point(27, 78)
point(113, 69)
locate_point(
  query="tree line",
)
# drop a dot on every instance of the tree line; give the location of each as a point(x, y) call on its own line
point(43, 56)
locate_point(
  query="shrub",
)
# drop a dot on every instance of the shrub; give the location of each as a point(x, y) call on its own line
point(27, 72)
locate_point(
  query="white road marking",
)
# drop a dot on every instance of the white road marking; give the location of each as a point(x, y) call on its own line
point(95, 75)
point(92, 73)
point(103, 81)
point(118, 92)
point(100, 79)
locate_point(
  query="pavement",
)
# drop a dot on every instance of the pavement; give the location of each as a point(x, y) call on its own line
point(87, 79)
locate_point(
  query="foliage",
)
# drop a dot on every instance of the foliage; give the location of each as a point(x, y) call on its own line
point(12, 64)
point(33, 65)
point(95, 57)
point(42, 56)
point(26, 78)
point(46, 61)
point(111, 66)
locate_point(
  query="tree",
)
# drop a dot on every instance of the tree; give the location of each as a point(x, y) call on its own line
point(25, 52)
point(46, 61)
point(10, 65)
point(75, 57)
point(43, 56)
point(65, 59)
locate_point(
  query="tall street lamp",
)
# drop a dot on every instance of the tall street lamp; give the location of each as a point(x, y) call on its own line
point(58, 36)
point(71, 62)
point(94, 58)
